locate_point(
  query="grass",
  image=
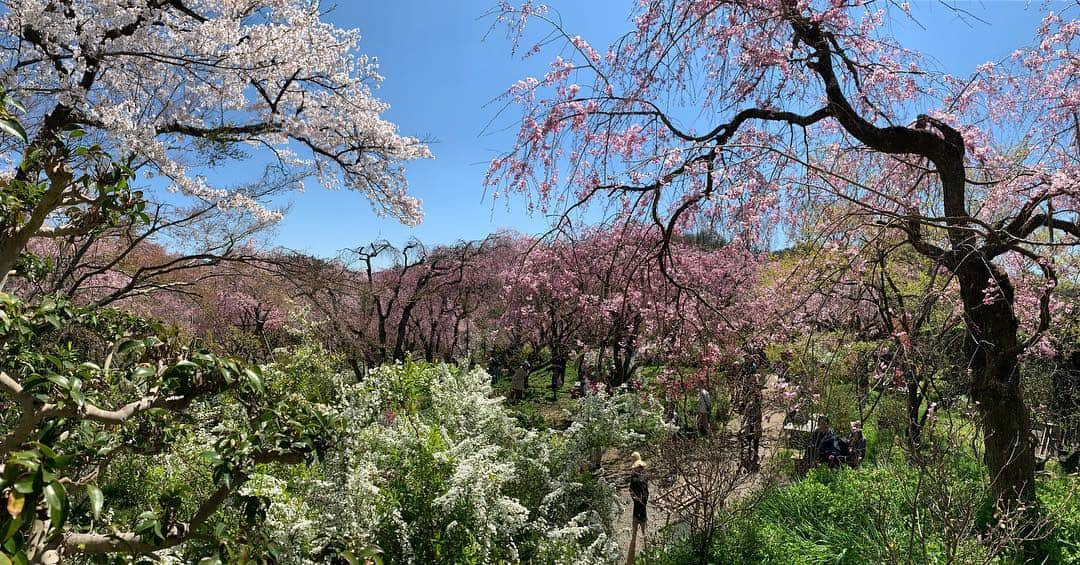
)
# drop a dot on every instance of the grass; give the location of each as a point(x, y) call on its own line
point(886, 513)
point(537, 409)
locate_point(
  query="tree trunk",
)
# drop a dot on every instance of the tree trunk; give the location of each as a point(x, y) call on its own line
point(914, 400)
point(357, 370)
point(623, 363)
point(994, 349)
point(992, 326)
point(1006, 426)
point(399, 340)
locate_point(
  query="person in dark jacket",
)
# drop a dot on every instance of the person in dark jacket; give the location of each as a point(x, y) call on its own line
point(824, 445)
point(639, 494)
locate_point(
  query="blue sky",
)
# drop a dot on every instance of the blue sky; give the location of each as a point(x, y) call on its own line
point(442, 75)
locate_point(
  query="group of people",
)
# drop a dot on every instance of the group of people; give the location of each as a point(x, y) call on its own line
point(519, 372)
point(826, 447)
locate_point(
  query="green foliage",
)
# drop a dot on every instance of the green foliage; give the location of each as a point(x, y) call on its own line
point(10, 124)
point(894, 512)
point(120, 424)
point(890, 422)
point(1058, 496)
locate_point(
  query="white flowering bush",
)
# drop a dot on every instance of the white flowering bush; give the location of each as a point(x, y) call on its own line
point(434, 469)
point(612, 418)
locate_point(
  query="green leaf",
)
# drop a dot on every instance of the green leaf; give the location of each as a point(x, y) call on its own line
point(4, 560)
point(56, 361)
point(78, 396)
point(11, 529)
point(97, 500)
point(12, 127)
point(25, 486)
point(56, 498)
point(76, 391)
point(60, 381)
point(130, 345)
point(143, 373)
point(149, 526)
point(34, 382)
point(13, 103)
point(255, 380)
point(46, 450)
point(373, 554)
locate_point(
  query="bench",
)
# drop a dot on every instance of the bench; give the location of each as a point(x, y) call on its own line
point(1052, 440)
point(798, 434)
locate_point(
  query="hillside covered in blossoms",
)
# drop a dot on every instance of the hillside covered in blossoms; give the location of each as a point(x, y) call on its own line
point(767, 281)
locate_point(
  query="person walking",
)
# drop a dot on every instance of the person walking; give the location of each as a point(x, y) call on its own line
point(517, 384)
point(639, 494)
point(558, 377)
point(493, 369)
point(704, 407)
point(751, 431)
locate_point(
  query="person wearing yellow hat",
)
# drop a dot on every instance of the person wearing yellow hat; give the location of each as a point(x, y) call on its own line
point(639, 493)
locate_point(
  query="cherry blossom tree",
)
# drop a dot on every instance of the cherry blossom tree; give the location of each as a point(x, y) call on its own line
point(548, 301)
point(174, 89)
point(379, 302)
point(452, 316)
point(784, 118)
point(98, 94)
point(132, 254)
point(598, 289)
point(396, 289)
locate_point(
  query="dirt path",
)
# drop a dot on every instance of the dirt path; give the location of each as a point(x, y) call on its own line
point(772, 427)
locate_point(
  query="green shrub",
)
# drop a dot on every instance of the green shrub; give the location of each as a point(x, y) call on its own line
point(1058, 497)
point(885, 513)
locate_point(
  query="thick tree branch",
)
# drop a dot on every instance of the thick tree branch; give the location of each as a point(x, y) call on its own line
point(130, 542)
point(945, 151)
point(1043, 221)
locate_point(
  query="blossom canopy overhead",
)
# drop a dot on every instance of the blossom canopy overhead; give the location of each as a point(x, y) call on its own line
point(172, 86)
point(749, 117)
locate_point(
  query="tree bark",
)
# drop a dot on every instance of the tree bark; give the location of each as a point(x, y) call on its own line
point(993, 347)
point(914, 402)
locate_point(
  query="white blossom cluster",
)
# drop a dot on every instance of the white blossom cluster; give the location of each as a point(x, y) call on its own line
point(159, 81)
point(510, 490)
point(604, 418)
